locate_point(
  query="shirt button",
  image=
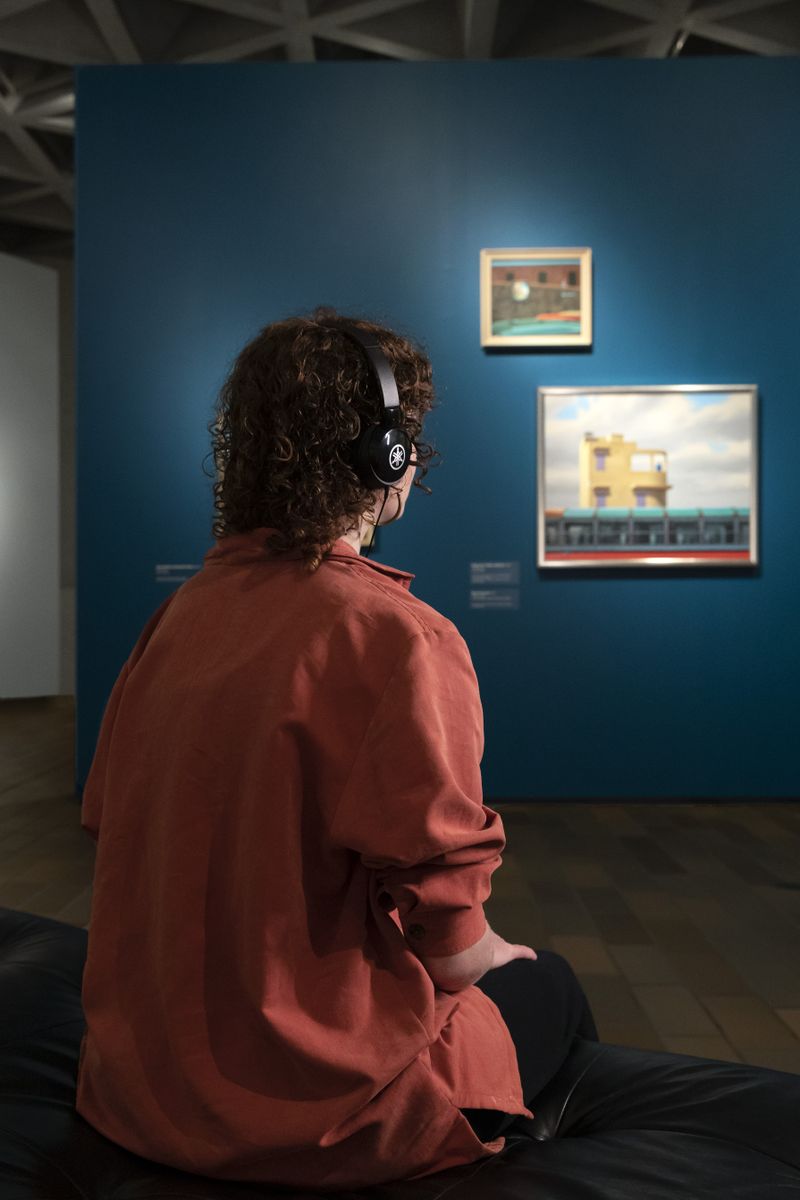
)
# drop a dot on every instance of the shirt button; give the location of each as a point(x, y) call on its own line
point(386, 901)
point(416, 931)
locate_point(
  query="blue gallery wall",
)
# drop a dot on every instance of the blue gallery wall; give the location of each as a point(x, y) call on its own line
point(213, 199)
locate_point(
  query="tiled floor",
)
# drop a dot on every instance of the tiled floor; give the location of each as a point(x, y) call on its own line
point(682, 921)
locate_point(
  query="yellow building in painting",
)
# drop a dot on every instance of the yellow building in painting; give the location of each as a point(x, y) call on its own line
point(619, 474)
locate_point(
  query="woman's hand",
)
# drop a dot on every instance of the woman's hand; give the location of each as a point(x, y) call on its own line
point(452, 972)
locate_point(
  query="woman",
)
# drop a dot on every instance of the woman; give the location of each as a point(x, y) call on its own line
point(290, 977)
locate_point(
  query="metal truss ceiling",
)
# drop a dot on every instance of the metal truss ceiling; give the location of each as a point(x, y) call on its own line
point(41, 40)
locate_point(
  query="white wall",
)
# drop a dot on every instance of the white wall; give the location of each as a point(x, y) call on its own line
point(30, 499)
point(66, 275)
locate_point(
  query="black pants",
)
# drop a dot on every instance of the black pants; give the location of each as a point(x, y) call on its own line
point(545, 1007)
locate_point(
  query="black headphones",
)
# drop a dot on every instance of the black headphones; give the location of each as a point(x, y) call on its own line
point(382, 450)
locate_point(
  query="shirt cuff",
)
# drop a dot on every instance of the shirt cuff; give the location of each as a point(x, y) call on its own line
point(444, 933)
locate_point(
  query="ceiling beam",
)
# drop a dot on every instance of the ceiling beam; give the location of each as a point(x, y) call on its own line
point(299, 42)
point(234, 50)
point(27, 145)
point(730, 8)
point(54, 124)
point(59, 101)
point(294, 27)
point(254, 10)
point(478, 20)
point(324, 28)
point(378, 45)
point(337, 27)
point(666, 30)
point(114, 30)
point(750, 42)
point(54, 110)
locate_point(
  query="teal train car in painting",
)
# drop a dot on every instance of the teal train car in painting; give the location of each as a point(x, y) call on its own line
point(614, 533)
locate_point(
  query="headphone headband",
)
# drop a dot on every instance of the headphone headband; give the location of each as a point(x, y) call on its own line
point(380, 363)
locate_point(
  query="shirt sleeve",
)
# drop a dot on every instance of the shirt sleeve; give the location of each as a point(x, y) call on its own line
point(94, 787)
point(413, 809)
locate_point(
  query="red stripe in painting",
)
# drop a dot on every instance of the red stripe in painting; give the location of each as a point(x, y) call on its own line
point(583, 556)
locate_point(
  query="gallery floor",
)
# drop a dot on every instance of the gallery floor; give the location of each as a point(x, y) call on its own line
point(682, 921)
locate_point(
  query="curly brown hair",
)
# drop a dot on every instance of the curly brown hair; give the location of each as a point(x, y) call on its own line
point(294, 400)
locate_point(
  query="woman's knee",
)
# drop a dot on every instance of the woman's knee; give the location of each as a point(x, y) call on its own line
point(560, 967)
point(547, 961)
point(551, 969)
point(555, 961)
point(578, 1002)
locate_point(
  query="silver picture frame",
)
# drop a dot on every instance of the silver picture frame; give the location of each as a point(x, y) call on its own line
point(593, 449)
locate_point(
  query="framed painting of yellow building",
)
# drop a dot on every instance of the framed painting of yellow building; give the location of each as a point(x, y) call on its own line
point(648, 476)
point(536, 297)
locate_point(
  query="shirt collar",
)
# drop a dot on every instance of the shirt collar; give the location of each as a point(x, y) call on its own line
point(252, 547)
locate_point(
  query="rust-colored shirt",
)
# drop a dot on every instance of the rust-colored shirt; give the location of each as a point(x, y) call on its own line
point(286, 796)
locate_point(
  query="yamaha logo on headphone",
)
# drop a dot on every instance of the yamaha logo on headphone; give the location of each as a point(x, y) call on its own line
point(397, 457)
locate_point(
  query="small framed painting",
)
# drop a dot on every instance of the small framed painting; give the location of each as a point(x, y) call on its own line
point(536, 297)
point(648, 476)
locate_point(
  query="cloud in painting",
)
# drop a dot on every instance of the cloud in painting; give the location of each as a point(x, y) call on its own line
point(706, 436)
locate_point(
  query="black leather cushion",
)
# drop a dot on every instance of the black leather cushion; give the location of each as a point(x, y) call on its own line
point(615, 1124)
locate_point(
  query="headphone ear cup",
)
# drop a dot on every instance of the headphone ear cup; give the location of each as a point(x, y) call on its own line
point(378, 464)
point(368, 449)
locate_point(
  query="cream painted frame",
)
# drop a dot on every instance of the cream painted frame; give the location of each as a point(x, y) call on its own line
point(582, 338)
